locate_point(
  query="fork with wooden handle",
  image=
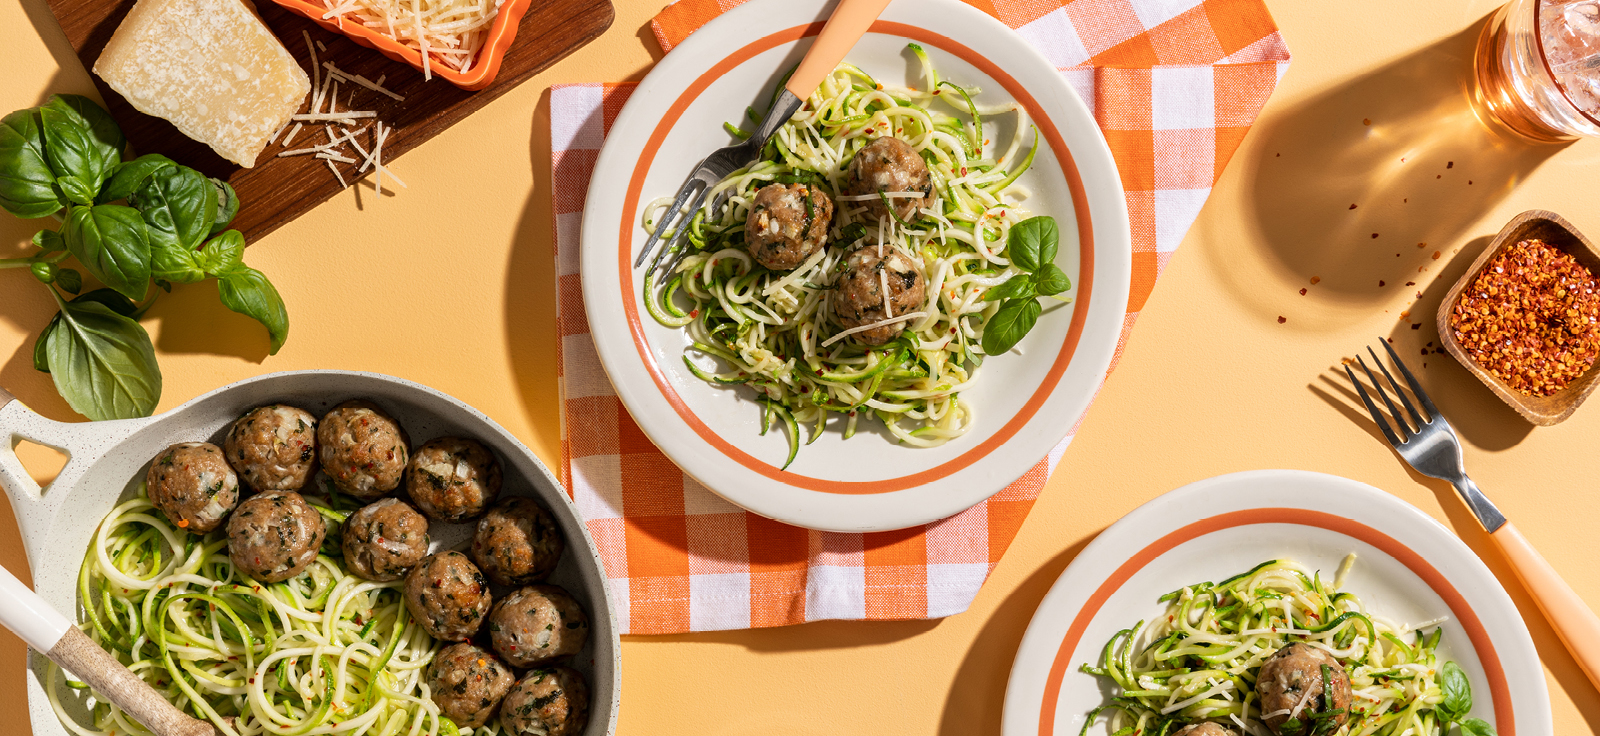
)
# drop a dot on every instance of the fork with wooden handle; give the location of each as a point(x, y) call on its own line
point(1433, 449)
point(48, 632)
point(849, 22)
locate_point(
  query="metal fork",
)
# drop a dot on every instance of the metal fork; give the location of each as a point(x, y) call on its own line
point(1433, 450)
point(714, 168)
point(846, 25)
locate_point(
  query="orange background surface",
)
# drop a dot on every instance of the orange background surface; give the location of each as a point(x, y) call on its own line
point(450, 283)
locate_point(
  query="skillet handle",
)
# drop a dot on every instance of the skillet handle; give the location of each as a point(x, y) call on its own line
point(47, 631)
point(83, 442)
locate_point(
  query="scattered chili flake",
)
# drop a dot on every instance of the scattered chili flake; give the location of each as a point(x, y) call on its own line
point(1352, 206)
point(1531, 318)
point(1436, 255)
point(1374, 235)
point(1438, 176)
point(183, 523)
point(1316, 280)
point(1282, 319)
point(1411, 283)
point(1469, 182)
point(1422, 245)
point(1302, 292)
point(1380, 283)
point(1449, 164)
point(1417, 326)
point(1366, 121)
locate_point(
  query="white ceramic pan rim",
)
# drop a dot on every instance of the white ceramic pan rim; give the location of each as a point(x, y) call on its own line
point(1182, 537)
point(868, 483)
point(107, 458)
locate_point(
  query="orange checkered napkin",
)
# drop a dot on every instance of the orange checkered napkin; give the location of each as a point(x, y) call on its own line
point(1174, 85)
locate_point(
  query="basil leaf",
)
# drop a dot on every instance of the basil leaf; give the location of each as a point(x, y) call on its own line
point(227, 205)
point(49, 241)
point(74, 154)
point(1033, 242)
point(41, 357)
point(1018, 287)
point(1456, 692)
point(1052, 280)
point(248, 292)
point(179, 204)
point(130, 176)
point(107, 136)
point(27, 185)
point(118, 303)
point(1015, 318)
point(112, 242)
point(1477, 727)
point(70, 279)
point(222, 254)
point(76, 191)
point(103, 363)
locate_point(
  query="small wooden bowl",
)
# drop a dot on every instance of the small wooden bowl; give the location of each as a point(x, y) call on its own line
point(1555, 230)
point(501, 33)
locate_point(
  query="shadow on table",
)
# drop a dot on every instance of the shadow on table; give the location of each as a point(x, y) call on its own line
point(1359, 185)
point(977, 698)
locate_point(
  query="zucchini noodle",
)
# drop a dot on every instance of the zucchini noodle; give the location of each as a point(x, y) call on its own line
point(323, 653)
point(775, 331)
point(1200, 659)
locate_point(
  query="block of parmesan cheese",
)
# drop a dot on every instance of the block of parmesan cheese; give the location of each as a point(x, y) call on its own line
point(211, 68)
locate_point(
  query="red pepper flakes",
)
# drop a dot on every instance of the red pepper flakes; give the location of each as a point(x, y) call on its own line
point(1411, 283)
point(1417, 326)
point(1436, 255)
point(1352, 206)
point(1282, 319)
point(1316, 280)
point(1380, 284)
point(1302, 292)
point(1366, 121)
point(1374, 235)
point(183, 523)
point(1531, 318)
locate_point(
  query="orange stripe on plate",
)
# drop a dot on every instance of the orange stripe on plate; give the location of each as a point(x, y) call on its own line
point(1498, 689)
point(630, 300)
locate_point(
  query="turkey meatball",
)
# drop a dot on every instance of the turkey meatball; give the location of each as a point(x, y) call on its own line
point(552, 702)
point(448, 595)
point(517, 542)
point(1287, 675)
point(362, 449)
point(468, 683)
point(859, 295)
point(384, 540)
point(787, 224)
point(274, 536)
point(453, 478)
point(192, 484)
point(888, 165)
point(1203, 729)
point(273, 448)
point(537, 625)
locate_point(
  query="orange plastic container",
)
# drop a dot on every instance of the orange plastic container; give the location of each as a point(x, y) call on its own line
point(501, 33)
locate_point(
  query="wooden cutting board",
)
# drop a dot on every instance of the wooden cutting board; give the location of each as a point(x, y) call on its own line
point(278, 190)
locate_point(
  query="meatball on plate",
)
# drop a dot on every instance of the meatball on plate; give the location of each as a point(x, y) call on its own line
point(363, 450)
point(453, 478)
point(273, 448)
point(825, 345)
point(192, 484)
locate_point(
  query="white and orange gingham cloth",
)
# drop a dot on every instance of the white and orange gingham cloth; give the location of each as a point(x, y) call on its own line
point(1174, 85)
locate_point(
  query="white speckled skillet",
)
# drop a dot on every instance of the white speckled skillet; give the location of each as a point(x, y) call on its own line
point(108, 459)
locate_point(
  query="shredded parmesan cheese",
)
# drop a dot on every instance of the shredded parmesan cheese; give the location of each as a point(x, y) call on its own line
point(864, 328)
point(448, 33)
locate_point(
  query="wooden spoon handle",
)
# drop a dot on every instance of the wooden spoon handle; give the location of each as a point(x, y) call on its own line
point(849, 22)
point(47, 631)
point(1577, 626)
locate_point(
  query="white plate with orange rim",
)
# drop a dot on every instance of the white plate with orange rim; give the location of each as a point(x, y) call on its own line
point(1023, 404)
point(1409, 568)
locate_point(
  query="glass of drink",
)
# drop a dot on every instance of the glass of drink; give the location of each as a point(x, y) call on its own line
point(1538, 69)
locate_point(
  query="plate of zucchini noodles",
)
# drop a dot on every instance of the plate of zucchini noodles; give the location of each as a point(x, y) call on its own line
point(900, 307)
point(1276, 603)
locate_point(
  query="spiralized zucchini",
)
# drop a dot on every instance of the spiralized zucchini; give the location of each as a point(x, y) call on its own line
point(323, 653)
point(769, 329)
point(1200, 659)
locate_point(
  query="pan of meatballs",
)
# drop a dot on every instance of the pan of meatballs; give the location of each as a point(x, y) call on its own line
point(398, 483)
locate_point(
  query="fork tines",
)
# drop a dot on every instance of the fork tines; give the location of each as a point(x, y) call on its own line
point(1420, 419)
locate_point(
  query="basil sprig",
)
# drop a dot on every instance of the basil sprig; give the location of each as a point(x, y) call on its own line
point(1455, 702)
point(1031, 246)
point(64, 159)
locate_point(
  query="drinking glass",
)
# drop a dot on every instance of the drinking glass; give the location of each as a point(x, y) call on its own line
point(1538, 69)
